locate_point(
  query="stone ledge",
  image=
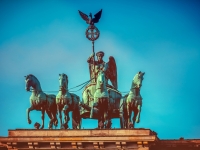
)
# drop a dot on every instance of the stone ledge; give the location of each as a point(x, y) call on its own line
point(138, 139)
point(78, 133)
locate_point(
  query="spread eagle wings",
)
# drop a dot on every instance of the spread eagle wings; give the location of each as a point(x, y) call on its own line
point(84, 16)
point(96, 18)
point(112, 71)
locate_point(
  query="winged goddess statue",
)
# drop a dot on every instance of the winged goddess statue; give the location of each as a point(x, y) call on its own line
point(109, 68)
point(91, 20)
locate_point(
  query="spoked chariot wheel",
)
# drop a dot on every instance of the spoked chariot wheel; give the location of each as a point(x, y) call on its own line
point(92, 33)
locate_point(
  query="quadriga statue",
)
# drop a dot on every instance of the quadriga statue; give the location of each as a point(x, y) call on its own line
point(67, 102)
point(133, 101)
point(99, 99)
point(41, 101)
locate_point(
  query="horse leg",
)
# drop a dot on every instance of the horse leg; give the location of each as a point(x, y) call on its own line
point(134, 116)
point(121, 113)
point(78, 117)
point(59, 108)
point(129, 113)
point(64, 125)
point(107, 110)
point(105, 119)
point(66, 112)
point(74, 121)
point(28, 112)
point(60, 116)
point(125, 117)
point(51, 119)
point(138, 115)
point(80, 122)
point(100, 119)
point(42, 116)
point(54, 115)
point(92, 111)
point(121, 117)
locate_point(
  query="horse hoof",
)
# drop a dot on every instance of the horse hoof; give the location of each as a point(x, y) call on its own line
point(42, 127)
point(50, 126)
point(65, 126)
point(55, 123)
point(37, 125)
point(130, 125)
point(29, 121)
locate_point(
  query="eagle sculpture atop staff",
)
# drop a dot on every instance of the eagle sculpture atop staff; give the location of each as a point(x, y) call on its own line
point(91, 20)
point(92, 33)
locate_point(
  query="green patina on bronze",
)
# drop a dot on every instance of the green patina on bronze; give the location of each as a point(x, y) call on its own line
point(100, 100)
point(133, 102)
point(41, 101)
point(67, 102)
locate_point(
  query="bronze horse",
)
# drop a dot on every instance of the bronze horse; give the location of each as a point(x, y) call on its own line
point(67, 102)
point(40, 101)
point(133, 101)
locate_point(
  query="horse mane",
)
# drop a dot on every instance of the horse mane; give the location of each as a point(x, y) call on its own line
point(135, 76)
point(63, 74)
point(34, 77)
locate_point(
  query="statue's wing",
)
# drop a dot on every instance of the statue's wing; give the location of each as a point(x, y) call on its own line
point(112, 71)
point(84, 16)
point(97, 16)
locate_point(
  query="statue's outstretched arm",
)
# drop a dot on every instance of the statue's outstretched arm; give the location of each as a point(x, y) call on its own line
point(91, 59)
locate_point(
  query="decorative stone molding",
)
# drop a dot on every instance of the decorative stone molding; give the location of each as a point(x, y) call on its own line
point(137, 139)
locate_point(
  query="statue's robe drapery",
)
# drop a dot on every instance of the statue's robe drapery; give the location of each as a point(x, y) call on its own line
point(109, 68)
point(95, 67)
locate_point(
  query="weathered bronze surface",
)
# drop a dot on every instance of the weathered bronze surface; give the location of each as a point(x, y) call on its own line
point(133, 101)
point(92, 32)
point(100, 100)
point(67, 102)
point(91, 20)
point(41, 101)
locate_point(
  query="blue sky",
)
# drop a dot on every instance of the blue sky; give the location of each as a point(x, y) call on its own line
point(161, 38)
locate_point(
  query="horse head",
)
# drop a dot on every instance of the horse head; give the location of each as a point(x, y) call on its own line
point(32, 81)
point(101, 80)
point(29, 81)
point(63, 81)
point(137, 80)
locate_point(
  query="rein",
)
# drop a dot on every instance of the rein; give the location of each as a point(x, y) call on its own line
point(84, 84)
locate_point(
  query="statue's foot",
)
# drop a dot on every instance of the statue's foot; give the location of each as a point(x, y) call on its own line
point(42, 127)
point(29, 121)
point(130, 125)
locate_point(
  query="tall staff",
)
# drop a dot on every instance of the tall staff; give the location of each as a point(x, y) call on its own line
point(92, 33)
